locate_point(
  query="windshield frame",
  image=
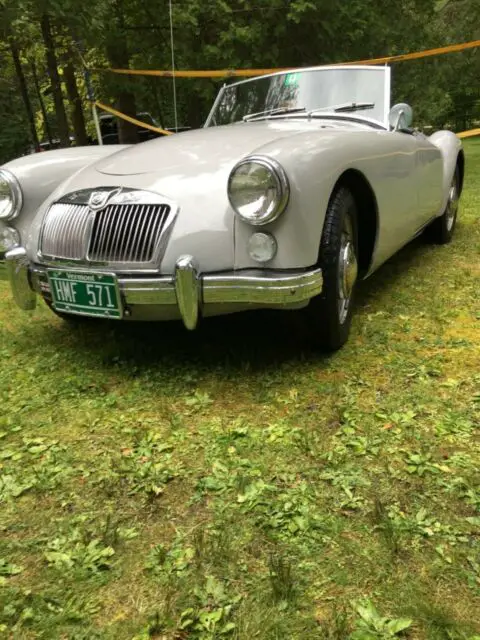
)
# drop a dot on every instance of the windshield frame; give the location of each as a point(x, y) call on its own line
point(354, 115)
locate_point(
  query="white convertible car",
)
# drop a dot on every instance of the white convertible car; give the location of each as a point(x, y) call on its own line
point(299, 184)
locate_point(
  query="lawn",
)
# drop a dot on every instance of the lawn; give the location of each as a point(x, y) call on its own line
point(231, 484)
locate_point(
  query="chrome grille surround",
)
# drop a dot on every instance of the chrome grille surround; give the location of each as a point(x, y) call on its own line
point(107, 227)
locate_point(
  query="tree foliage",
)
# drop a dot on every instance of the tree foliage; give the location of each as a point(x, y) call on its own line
point(222, 34)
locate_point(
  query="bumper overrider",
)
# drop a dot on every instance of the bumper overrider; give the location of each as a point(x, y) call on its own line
point(186, 289)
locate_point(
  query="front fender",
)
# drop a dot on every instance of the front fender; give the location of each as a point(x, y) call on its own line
point(450, 146)
point(41, 173)
point(314, 163)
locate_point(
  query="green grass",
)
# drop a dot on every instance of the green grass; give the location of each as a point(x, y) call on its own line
point(230, 484)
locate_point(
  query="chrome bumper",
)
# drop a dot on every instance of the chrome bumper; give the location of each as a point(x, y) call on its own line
point(187, 288)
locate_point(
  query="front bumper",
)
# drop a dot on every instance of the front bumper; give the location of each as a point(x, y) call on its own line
point(187, 290)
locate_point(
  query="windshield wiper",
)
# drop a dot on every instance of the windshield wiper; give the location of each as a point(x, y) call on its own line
point(272, 112)
point(344, 108)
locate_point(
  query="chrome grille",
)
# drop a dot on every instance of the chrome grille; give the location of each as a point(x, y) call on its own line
point(127, 232)
point(64, 232)
point(123, 233)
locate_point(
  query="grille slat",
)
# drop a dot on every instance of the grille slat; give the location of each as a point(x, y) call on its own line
point(137, 250)
point(118, 230)
point(105, 219)
point(123, 233)
point(148, 222)
point(127, 235)
point(102, 239)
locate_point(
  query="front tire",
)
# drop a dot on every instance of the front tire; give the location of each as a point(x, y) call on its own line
point(329, 315)
point(440, 231)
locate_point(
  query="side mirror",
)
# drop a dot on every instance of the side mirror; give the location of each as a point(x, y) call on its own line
point(400, 116)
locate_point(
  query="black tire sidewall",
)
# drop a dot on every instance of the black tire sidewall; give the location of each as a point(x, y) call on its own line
point(323, 313)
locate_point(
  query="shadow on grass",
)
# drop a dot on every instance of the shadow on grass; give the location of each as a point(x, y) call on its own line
point(256, 341)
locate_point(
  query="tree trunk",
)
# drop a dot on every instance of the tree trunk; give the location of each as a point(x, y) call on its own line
point(127, 132)
point(76, 110)
point(52, 68)
point(158, 103)
point(117, 52)
point(40, 100)
point(24, 91)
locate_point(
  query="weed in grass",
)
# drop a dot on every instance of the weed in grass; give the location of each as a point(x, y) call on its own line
point(372, 626)
point(383, 523)
point(176, 559)
point(210, 617)
point(8, 569)
point(282, 581)
point(420, 464)
point(73, 552)
point(147, 466)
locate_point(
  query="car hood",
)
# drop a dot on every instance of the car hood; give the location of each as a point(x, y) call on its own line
point(193, 152)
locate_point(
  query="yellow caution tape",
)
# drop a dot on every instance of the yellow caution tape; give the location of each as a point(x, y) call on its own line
point(221, 73)
point(421, 54)
point(234, 73)
point(139, 123)
point(469, 134)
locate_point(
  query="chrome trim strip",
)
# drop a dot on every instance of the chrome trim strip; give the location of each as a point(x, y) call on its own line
point(113, 196)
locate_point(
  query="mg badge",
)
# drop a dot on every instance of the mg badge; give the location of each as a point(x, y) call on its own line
point(99, 199)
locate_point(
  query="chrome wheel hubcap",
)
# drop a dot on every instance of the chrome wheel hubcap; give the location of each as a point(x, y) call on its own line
point(347, 271)
point(452, 205)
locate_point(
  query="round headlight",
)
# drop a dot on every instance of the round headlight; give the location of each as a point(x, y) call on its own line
point(10, 196)
point(258, 190)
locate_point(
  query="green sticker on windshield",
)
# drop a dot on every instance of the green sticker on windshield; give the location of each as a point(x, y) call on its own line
point(291, 80)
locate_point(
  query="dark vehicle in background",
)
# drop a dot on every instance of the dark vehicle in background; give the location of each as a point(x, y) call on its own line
point(109, 132)
point(109, 128)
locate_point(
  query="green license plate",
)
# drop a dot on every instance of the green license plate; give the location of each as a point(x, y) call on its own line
point(85, 293)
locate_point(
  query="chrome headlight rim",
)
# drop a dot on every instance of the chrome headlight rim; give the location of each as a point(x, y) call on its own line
point(282, 186)
point(16, 195)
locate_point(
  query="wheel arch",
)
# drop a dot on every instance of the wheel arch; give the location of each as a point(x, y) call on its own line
point(367, 219)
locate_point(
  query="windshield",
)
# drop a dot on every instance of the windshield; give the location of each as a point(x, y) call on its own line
point(303, 91)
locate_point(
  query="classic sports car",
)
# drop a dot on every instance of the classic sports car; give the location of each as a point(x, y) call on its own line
point(299, 184)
